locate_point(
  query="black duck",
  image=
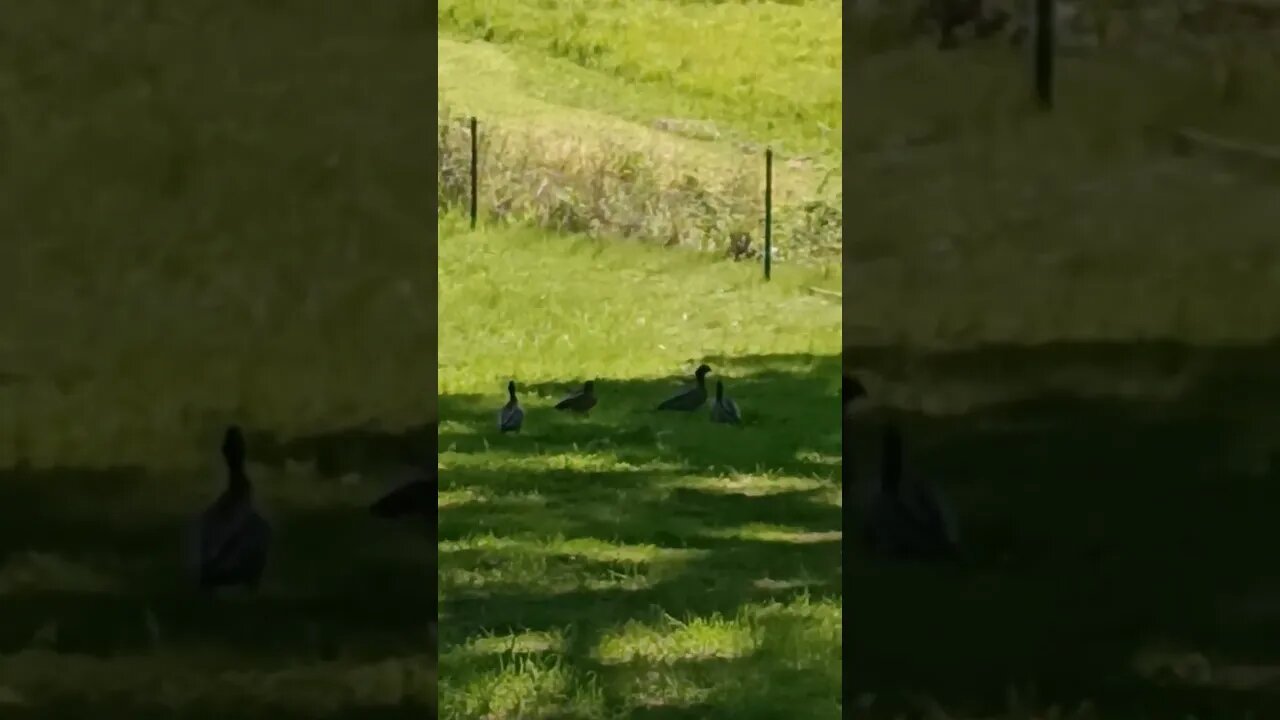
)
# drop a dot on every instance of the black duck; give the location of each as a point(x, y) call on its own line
point(693, 398)
point(581, 401)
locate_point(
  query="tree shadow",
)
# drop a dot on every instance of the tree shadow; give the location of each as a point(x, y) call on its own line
point(713, 529)
point(99, 554)
point(1112, 496)
point(785, 400)
point(211, 711)
point(652, 499)
point(35, 501)
point(720, 563)
point(363, 449)
point(644, 514)
point(741, 681)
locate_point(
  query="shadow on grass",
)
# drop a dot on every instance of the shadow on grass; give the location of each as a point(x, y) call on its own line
point(350, 450)
point(91, 570)
point(744, 682)
point(704, 559)
point(212, 711)
point(657, 508)
point(583, 524)
point(343, 586)
point(787, 401)
point(1113, 497)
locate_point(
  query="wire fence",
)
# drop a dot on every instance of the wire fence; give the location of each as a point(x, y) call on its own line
point(611, 189)
point(768, 194)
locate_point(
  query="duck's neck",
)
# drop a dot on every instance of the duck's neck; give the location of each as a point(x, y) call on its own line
point(891, 470)
point(238, 480)
point(511, 392)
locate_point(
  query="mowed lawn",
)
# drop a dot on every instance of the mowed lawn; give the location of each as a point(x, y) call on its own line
point(632, 563)
point(181, 252)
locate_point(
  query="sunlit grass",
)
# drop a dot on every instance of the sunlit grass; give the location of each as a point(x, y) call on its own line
point(975, 218)
point(773, 71)
point(553, 312)
point(560, 545)
point(571, 97)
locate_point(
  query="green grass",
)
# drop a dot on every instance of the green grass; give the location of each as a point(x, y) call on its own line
point(621, 116)
point(975, 218)
point(1116, 503)
point(631, 563)
point(212, 213)
point(772, 73)
point(1076, 329)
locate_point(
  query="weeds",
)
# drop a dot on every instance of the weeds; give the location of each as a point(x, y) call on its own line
point(602, 188)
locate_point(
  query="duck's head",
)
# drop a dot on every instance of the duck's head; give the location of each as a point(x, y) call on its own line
point(589, 387)
point(702, 371)
point(233, 445)
point(851, 388)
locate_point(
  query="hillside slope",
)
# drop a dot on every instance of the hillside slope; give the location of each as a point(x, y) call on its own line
point(614, 119)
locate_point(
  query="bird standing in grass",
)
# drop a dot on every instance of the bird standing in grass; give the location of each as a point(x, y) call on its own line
point(693, 398)
point(511, 417)
point(850, 390)
point(724, 410)
point(908, 519)
point(231, 538)
point(581, 401)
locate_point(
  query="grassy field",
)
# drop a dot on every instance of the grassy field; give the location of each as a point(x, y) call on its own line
point(637, 564)
point(615, 115)
point(633, 563)
point(1077, 328)
point(773, 72)
point(212, 213)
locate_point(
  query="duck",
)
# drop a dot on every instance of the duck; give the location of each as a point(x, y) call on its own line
point(908, 519)
point(724, 410)
point(415, 495)
point(693, 398)
point(581, 401)
point(231, 538)
point(511, 416)
point(850, 390)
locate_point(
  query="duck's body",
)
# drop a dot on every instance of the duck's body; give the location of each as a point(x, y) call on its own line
point(240, 556)
point(511, 416)
point(850, 390)
point(724, 410)
point(908, 520)
point(691, 399)
point(231, 537)
point(581, 401)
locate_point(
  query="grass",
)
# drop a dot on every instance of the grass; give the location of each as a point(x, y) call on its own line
point(1115, 500)
point(609, 119)
point(1076, 328)
point(213, 214)
point(773, 71)
point(630, 563)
